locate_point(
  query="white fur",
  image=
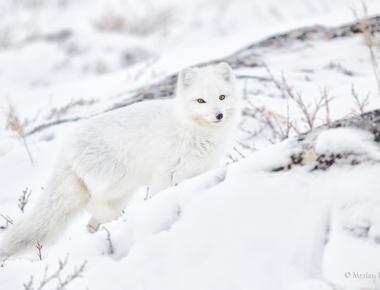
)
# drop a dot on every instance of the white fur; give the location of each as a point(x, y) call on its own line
point(155, 143)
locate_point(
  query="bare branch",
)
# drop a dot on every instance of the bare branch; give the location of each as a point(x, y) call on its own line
point(110, 249)
point(327, 101)
point(2, 263)
point(233, 160)
point(29, 285)
point(8, 221)
point(361, 104)
point(338, 66)
point(309, 113)
point(39, 250)
point(60, 282)
point(24, 199)
point(238, 152)
point(69, 278)
point(277, 83)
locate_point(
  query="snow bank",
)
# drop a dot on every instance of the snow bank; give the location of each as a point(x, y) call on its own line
point(243, 227)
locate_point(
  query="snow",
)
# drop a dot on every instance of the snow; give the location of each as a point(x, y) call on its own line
point(254, 229)
point(346, 140)
point(240, 226)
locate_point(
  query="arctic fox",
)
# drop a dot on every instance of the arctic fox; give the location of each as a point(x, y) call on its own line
point(154, 143)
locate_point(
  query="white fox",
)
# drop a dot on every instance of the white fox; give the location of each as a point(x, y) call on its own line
point(153, 143)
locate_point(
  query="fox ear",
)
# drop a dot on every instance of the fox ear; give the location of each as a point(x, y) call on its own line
point(186, 76)
point(224, 70)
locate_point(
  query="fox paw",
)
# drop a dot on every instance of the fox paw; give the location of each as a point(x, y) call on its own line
point(93, 225)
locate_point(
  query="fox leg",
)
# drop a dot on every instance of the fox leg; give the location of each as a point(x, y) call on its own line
point(102, 212)
point(162, 180)
point(93, 225)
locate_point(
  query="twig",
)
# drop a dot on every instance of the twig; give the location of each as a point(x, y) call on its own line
point(56, 276)
point(2, 264)
point(277, 83)
point(275, 122)
point(39, 250)
point(259, 78)
point(309, 113)
point(288, 123)
point(147, 194)
point(327, 101)
point(238, 152)
point(24, 199)
point(29, 285)
point(233, 160)
point(110, 249)
point(338, 66)
point(76, 274)
point(360, 104)
point(8, 221)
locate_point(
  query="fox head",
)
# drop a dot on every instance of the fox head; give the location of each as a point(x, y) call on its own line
point(206, 96)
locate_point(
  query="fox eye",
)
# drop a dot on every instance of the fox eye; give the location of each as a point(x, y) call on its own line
point(222, 97)
point(201, 101)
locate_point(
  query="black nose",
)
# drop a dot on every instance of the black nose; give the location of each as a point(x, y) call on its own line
point(219, 116)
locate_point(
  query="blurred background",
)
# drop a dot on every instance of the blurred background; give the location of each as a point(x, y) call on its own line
point(48, 42)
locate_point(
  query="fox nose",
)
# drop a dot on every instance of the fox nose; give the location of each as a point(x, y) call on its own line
point(219, 116)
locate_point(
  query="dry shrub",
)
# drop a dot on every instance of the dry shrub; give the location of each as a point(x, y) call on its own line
point(368, 37)
point(128, 20)
point(14, 124)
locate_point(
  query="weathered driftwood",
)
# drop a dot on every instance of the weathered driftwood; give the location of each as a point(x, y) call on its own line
point(369, 122)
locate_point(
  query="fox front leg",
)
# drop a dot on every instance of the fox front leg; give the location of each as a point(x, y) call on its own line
point(162, 181)
point(93, 225)
point(103, 211)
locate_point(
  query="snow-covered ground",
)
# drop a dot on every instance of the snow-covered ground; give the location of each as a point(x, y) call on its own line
point(237, 227)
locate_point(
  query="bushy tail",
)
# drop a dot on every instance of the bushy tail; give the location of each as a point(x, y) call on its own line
point(64, 195)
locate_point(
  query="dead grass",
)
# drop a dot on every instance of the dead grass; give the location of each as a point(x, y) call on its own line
point(309, 112)
point(16, 125)
point(127, 20)
point(368, 37)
